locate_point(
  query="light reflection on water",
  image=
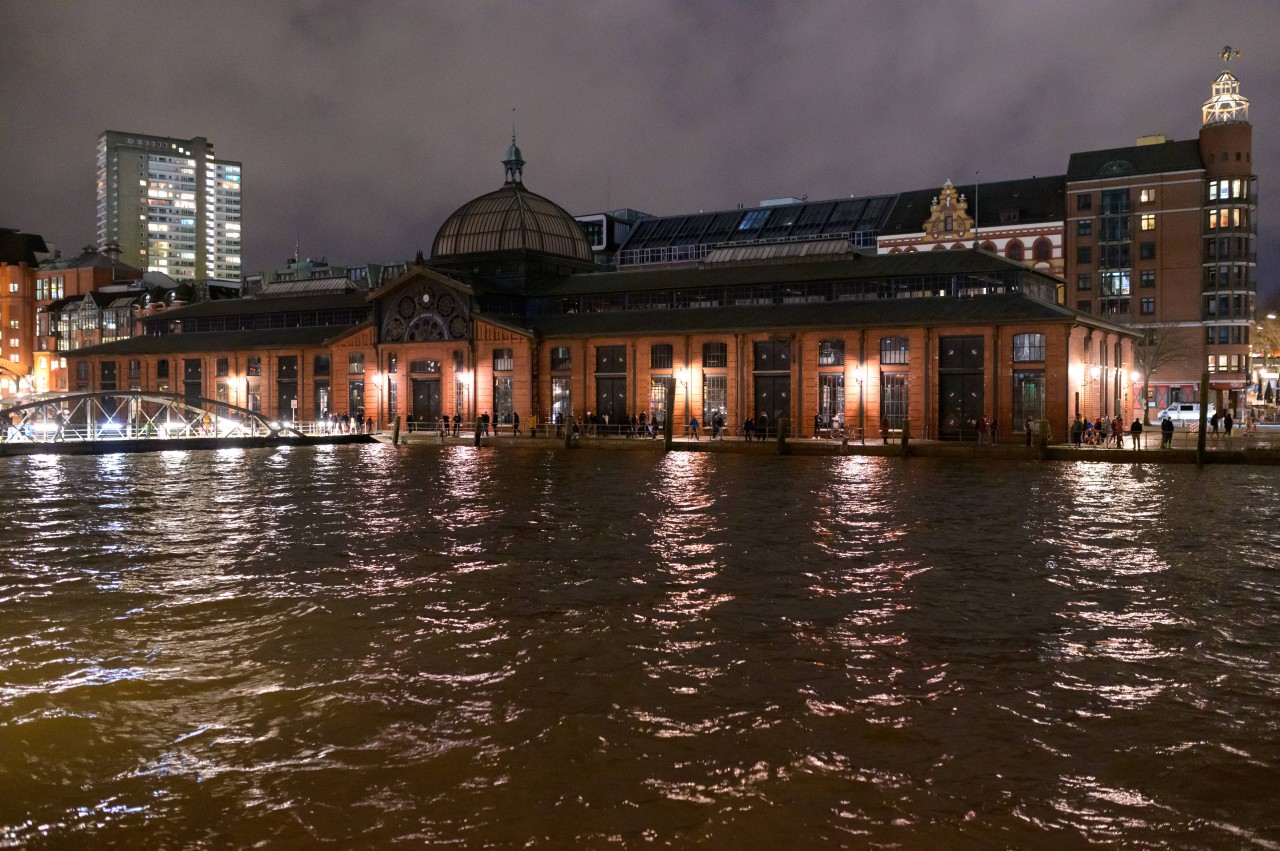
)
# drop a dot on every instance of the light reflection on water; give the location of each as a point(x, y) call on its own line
point(540, 648)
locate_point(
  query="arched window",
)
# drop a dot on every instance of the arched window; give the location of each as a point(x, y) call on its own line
point(959, 246)
point(1014, 250)
point(989, 246)
point(1042, 249)
point(938, 247)
point(894, 350)
point(1028, 347)
point(895, 250)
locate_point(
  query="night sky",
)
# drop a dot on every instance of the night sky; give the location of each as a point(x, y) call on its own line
point(362, 125)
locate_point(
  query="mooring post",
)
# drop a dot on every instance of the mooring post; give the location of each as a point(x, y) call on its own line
point(1204, 417)
point(783, 423)
point(477, 438)
point(395, 430)
point(668, 418)
point(906, 437)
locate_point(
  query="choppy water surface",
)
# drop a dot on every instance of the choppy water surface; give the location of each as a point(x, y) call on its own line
point(368, 647)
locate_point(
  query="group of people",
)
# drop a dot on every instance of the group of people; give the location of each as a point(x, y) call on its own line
point(1101, 431)
point(354, 423)
point(1223, 419)
point(834, 425)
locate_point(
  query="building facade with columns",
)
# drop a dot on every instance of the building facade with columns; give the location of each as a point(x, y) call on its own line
point(509, 317)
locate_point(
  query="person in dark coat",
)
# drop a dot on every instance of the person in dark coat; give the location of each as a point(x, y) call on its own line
point(1166, 433)
point(1135, 433)
point(748, 429)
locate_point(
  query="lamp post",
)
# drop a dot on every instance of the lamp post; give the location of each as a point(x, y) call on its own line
point(464, 381)
point(862, 409)
point(683, 377)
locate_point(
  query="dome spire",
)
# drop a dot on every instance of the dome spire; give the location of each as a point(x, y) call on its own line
point(1227, 106)
point(514, 163)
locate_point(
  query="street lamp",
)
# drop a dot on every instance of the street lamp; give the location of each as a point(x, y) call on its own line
point(857, 374)
point(464, 381)
point(683, 377)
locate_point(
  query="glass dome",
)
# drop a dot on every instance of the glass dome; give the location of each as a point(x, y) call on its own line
point(511, 219)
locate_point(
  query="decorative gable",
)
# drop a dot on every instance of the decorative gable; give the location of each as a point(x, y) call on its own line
point(425, 309)
point(949, 217)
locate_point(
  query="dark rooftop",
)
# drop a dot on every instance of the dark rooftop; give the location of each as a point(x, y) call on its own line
point(856, 267)
point(1137, 159)
point(842, 314)
point(17, 247)
point(269, 338)
point(1033, 200)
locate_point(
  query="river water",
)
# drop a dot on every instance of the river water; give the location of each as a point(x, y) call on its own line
point(376, 647)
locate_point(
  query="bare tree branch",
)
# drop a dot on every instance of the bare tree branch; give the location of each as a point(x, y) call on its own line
point(1159, 345)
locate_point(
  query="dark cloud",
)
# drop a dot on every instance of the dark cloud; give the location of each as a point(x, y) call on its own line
point(361, 125)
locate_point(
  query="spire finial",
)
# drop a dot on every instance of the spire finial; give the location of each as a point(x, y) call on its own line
point(514, 163)
point(1228, 54)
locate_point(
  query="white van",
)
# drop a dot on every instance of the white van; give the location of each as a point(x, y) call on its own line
point(1183, 413)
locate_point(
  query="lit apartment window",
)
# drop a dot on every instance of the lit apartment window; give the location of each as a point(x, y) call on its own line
point(1148, 221)
point(1147, 196)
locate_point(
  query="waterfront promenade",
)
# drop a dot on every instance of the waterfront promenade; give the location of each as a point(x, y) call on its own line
point(1262, 447)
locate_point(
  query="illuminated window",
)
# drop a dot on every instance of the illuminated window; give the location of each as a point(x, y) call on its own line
point(1148, 221)
point(355, 363)
point(1028, 347)
point(1147, 196)
point(831, 353)
point(894, 350)
point(503, 361)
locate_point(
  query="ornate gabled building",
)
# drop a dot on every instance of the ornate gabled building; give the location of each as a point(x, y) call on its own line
point(1021, 220)
point(507, 318)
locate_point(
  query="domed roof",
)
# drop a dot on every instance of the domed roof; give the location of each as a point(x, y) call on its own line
point(511, 219)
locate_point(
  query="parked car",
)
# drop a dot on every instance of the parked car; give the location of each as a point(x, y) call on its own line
point(1183, 413)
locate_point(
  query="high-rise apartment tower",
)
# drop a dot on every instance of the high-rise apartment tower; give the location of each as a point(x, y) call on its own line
point(169, 205)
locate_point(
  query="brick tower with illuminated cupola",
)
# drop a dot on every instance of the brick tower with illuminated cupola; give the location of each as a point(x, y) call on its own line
point(1161, 235)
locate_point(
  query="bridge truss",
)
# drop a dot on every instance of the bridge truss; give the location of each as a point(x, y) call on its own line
point(130, 415)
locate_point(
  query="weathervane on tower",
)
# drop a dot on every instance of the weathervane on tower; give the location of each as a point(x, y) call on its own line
point(1227, 105)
